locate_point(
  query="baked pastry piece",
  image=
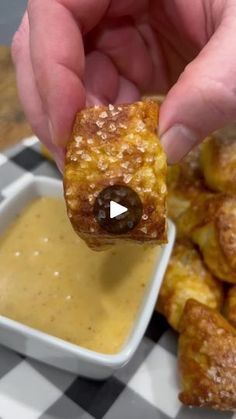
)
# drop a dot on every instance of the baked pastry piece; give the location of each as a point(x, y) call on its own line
point(185, 187)
point(187, 173)
point(218, 161)
point(187, 209)
point(207, 358)
point(187, 277)
point(230, 305)
point(210, 222)
point(116, 145)
point(215, 234)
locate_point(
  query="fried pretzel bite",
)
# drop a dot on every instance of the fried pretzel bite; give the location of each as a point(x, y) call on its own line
point(116, 145)
point(230, 306)
point(187, 210)
point(215, 235)
point(187, 277)
point(189, 171)
point(185, 187)
point(207, 358)
point(218, 162)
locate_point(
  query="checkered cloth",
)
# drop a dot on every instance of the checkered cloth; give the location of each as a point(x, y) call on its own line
point(146, 388)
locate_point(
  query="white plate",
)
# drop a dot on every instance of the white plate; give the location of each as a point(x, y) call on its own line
point(58, 352)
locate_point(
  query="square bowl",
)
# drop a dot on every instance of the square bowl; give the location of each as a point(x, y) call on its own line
point(55, 351)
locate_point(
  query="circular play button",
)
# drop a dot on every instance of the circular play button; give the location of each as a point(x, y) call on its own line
point(118, 209)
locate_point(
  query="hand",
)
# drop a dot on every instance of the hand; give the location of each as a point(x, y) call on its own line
point(72, 53)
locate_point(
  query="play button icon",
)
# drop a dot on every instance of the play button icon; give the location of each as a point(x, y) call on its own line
point(118, 209)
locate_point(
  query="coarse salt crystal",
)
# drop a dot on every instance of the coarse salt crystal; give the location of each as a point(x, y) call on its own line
point(141, 148)
point(102, 165)
point(124, 147)
point(68, 192)
point(78, 139)
point(103, 115)
point(111, 107)
point(163, 189)
point(86, 157)
point(144, 230)
point(125, 165)
point(127, 178)
point(140, 126)
point(100, 123)
point(112, 127)
point(114, 113)
point(122, 125)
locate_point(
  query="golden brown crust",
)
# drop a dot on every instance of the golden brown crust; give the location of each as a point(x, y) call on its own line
point(210, 221)
point(207, 358)
point(207, 218)
point(190, 208)
point(187, 277)
point(188, 173)
point(116, 145)
point(230, 306)
point(218, 162)
point(215, 234)
point(186, 187)
point(226, 229)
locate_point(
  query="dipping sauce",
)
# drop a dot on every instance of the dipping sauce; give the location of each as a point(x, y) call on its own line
point(50, 280)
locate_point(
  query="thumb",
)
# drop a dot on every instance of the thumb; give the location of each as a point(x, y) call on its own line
point(204, 97)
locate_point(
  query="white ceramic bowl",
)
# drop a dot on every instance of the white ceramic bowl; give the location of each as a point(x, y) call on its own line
point(58, 352)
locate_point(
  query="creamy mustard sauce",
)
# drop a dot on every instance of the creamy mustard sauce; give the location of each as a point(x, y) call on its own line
point(51, 281)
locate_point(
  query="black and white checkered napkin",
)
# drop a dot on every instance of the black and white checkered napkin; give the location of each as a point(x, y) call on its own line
point(147, 388)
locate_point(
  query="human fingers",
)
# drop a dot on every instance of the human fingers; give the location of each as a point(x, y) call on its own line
point(57, 56)
point(27, 89)
point(203, 99)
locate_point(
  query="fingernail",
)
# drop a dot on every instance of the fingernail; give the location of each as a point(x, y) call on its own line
point(177, 142)
point(92, 100)
point(60, 160)
point(51, 132)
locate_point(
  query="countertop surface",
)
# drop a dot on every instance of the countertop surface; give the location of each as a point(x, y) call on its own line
point(13, 126)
